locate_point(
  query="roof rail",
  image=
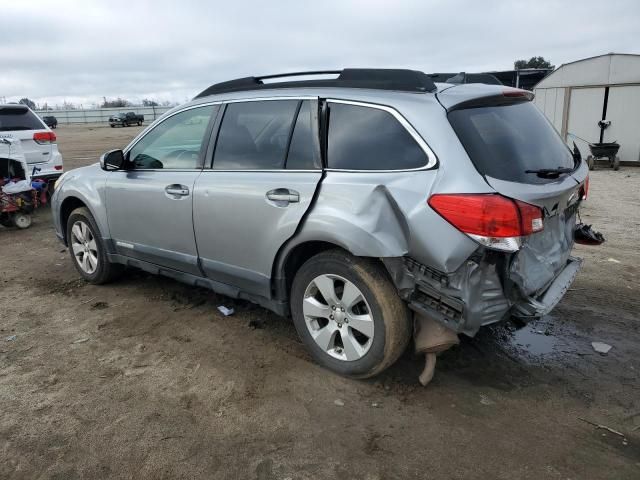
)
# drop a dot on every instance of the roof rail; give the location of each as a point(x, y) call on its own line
point(375, 78)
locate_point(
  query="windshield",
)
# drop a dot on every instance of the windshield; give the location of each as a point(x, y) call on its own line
point(18, 119)
point(504, 142)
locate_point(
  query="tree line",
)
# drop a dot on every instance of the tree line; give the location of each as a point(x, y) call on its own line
point(106, 103)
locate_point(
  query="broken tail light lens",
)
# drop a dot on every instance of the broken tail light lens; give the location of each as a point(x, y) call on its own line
point(43, 138)
point(493, 220)
point(584, 189)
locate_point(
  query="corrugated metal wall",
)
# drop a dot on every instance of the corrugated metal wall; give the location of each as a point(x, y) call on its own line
point(101, 115)
point(573, 97)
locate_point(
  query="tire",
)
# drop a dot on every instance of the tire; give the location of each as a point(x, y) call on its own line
point(591, 162)
point(22, 220)
point(139, 124)
point(616, 163)
point(112, 125)
point(389, 325)
point(6, 220)
point(104, 271)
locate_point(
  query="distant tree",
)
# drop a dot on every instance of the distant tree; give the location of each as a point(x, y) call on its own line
point(28, 102)
point(167, 103)
point(149, 103)
point(117, 103)
point(533, 62)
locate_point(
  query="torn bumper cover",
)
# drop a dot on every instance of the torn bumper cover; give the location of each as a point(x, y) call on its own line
point(482, 291)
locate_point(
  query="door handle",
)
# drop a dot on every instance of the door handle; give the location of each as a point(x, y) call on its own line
point(283, 195)
point(177, 190)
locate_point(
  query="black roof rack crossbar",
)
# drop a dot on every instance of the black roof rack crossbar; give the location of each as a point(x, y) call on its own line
point(375, 78)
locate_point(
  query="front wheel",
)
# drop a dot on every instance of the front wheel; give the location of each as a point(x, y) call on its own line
point(87, 248)
point(616, 163)
point(22, 220)
point(349, 314)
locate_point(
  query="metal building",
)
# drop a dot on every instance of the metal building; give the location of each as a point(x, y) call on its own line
point(578, 95)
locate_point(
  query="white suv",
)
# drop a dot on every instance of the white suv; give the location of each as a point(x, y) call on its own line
point(18, 122)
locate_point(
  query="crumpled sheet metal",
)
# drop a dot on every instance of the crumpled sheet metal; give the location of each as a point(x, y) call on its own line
point(543, 255)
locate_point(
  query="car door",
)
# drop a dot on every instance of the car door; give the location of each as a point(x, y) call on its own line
point(149, 205)
point(266, 167)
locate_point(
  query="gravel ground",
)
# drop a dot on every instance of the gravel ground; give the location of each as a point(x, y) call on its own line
point(144, 378)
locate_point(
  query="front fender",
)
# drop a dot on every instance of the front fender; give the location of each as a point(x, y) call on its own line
point(87, 185)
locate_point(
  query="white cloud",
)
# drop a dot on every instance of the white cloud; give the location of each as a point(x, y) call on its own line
point(82, 51)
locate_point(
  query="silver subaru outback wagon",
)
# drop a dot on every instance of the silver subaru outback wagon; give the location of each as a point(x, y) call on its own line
point(370, 207)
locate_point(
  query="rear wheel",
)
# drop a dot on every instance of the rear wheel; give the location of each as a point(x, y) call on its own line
point(348, 314)
point(6, 220)
point(87, 248)
point(616, 163)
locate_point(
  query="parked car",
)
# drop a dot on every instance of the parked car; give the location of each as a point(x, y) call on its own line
point(348, 204)
point(50, 121)
point(37, 140)
point(126, 119)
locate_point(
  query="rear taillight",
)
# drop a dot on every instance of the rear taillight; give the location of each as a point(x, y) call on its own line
point(584, 189)
point(43, 138)
point(58, 167)
point(491, 219)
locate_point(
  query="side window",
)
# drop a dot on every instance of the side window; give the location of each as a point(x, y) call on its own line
point(175, 143)
point(254, 135)
point(303, 151)
point(366, 138)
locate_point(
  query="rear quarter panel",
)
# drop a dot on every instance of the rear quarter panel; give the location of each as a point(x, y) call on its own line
point(385, 214)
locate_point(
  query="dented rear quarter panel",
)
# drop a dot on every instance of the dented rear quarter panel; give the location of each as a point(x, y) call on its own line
point(385, 213)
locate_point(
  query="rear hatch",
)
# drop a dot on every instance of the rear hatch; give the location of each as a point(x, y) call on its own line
point(515, 148)
point(19, 123)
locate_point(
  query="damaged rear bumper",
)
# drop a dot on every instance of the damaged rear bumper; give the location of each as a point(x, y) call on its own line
point(479, 293)
point(532, 307)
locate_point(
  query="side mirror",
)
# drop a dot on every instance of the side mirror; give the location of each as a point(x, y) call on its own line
point(112, 160)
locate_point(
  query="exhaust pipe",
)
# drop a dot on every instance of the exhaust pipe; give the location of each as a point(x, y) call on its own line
point(431, 338)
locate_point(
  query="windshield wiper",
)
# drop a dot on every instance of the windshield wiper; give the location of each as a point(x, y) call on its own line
point(550, 172)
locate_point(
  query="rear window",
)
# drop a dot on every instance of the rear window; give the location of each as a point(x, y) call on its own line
point(19, 119)
point(503, 142)
point(367, 138)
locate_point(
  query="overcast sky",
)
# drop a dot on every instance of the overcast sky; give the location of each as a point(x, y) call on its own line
point(170, 50)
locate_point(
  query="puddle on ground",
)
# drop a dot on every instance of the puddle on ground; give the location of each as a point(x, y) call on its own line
point(543, 338)
point(535, 341)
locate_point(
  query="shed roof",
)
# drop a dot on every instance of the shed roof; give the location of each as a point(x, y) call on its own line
point(607, 69)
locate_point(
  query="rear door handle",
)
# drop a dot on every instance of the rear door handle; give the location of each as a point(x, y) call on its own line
point(283, 195)
point(177, 190)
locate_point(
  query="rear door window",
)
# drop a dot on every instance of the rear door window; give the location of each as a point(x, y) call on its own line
point(254, 135)
point(17, 118)
point(368, 138)
point(505, 141)
point(303, 150)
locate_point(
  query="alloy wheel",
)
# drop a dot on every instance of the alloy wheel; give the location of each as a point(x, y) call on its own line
point(338, 317)
point(84, 247)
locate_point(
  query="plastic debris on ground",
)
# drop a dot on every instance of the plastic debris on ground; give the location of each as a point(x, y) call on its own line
point(338, 402)
point(586, 235)
point(11, 338)
point(601, 347)
point(226, 311)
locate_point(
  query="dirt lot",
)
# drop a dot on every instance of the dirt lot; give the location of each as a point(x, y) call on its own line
point(145, 379)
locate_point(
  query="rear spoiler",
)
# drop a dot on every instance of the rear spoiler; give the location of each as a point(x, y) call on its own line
point(467, 96)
